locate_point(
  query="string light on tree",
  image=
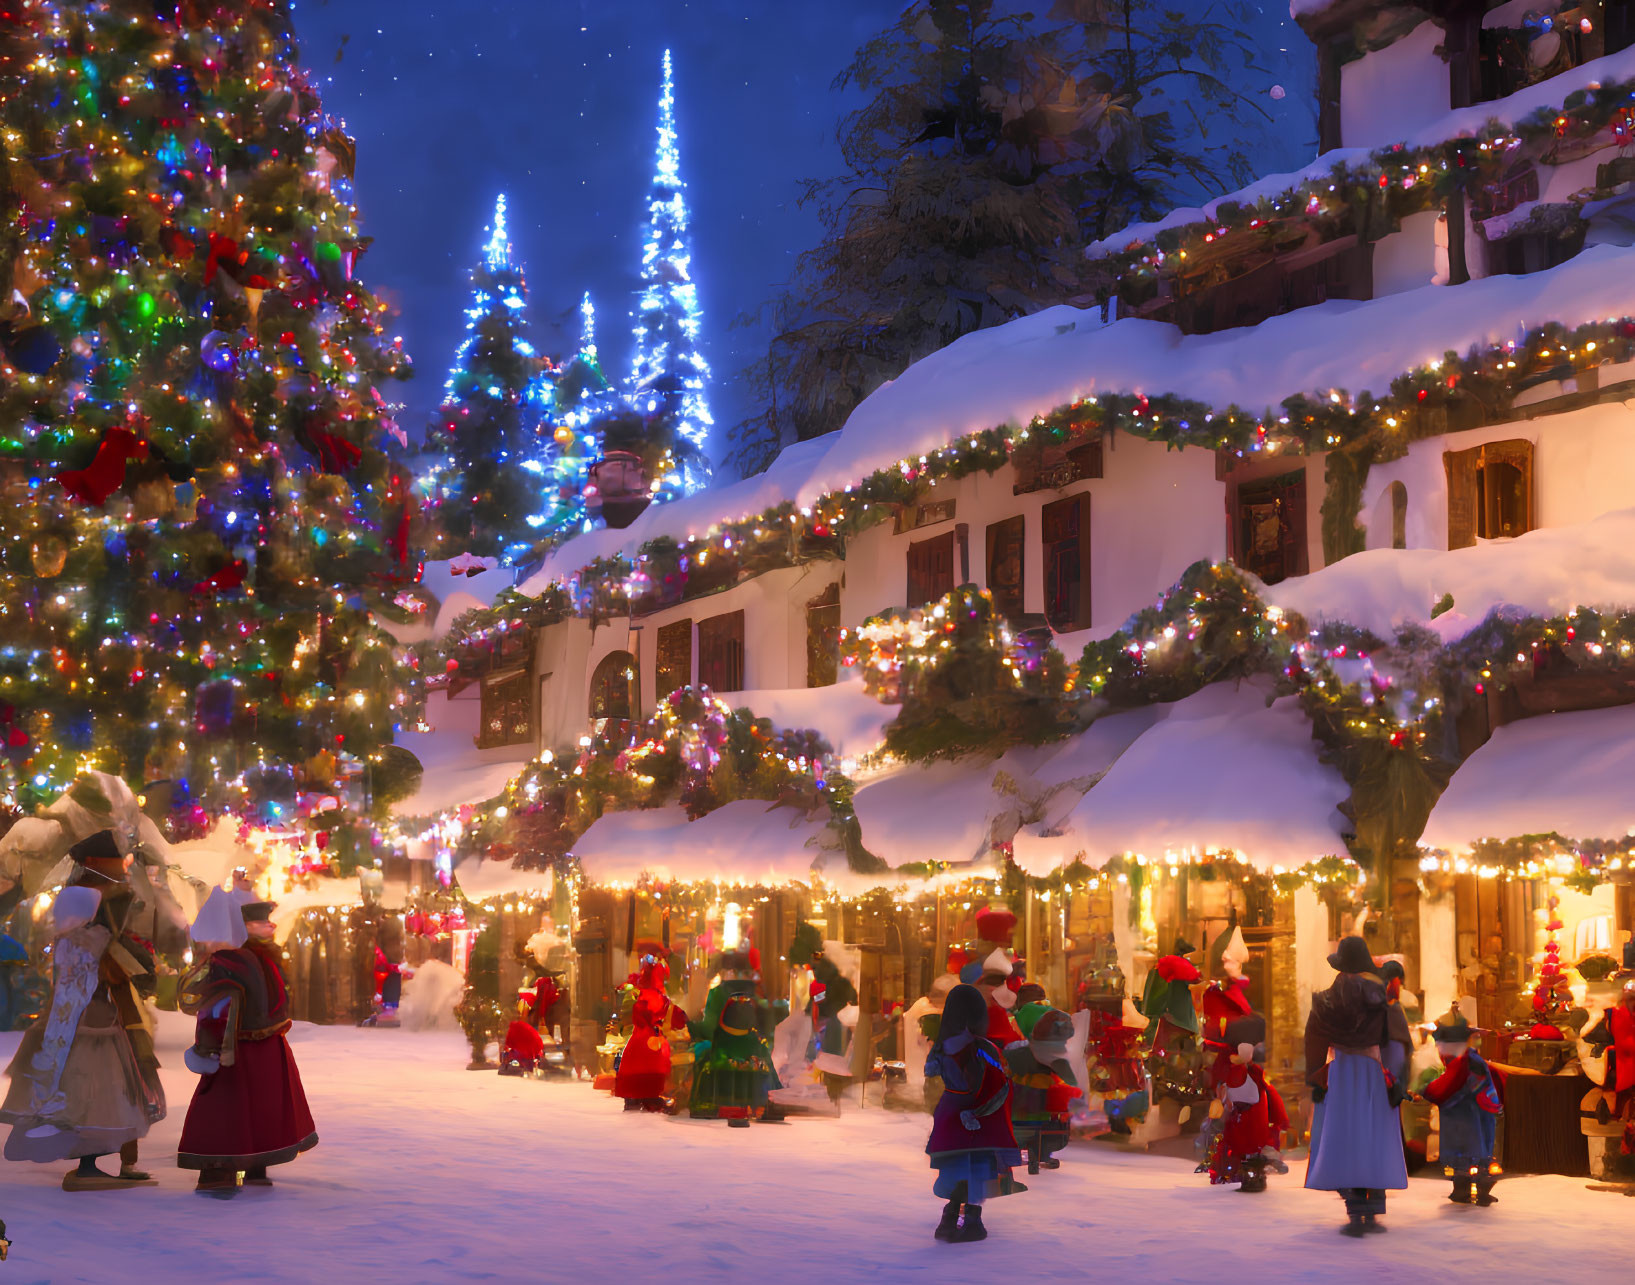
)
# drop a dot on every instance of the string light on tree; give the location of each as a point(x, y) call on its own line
point(492, 435)
point(670, 377)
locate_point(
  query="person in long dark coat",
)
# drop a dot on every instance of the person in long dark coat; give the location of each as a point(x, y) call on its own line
point(249, 1110)
point(1356, 1146)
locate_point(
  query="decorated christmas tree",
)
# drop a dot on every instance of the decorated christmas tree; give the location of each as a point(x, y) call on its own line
point(490, 437)
point(582, 404)
point(668, 386)
point(200, 520)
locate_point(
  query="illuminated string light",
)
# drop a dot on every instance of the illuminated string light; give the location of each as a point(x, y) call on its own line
point(670, 374)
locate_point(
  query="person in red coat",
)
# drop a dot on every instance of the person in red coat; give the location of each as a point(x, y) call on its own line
point(249, 1110)
point(1253, 1114)
point(972, 1146)
point(523, 1046)
point(642, 1078)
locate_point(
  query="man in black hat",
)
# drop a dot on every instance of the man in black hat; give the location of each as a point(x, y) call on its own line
point(1356, 1146)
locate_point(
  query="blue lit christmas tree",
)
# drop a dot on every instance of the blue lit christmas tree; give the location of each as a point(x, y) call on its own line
point(668, 386)
point(491, 437)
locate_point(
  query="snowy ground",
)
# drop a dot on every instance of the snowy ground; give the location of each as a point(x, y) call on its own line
point(427, 1172)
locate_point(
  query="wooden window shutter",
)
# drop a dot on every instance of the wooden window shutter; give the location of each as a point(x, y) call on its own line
point(1461, 470)
point(1006, 565)
point(1296, 546)
point(721, 652)
point(1065, 543)
point(823, 638)
point(674, 660)
point(930, 569)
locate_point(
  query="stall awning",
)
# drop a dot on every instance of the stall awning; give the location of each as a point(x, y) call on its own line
point(1568, 774)
point(744, 842)
point(947, 812)
point(1217, 771)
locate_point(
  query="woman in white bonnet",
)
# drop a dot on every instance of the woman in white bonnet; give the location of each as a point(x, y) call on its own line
point(76, 1089)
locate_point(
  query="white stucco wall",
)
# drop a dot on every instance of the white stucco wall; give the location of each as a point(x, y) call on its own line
point(1155, 512)
point(1583, 466)
point(1406, 259)
point(1390, 93)
point(774, 607)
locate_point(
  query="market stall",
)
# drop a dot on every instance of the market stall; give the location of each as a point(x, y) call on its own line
point(1218, 815)
point(1529, 872)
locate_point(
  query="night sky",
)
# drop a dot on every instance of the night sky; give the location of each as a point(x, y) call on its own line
point(554, 102)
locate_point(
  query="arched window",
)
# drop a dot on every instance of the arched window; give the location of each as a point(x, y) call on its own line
point(1399, 515)
point(613, 687)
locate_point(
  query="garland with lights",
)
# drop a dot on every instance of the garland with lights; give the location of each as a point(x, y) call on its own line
point(1580, 864)
point(965, 681)
point(1450, 394)
point(695, 750)
point(1369, 198)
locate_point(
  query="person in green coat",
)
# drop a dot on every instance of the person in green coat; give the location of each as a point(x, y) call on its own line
point(732, 1044)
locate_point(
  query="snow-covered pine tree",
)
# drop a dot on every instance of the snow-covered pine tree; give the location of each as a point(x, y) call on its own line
point(489, 440)
point(669, 383)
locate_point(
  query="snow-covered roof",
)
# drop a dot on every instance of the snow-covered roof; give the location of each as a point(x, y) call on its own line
point(1220, 770)
point(845, 715)
point(1547, 572)
point(1462, 122)
point(476, 583)
point(1031, 366)
point(481, 879)
point(456, 771)
point(931, 812)
point(692, 515)
point(743, 842)
point(1571, 774)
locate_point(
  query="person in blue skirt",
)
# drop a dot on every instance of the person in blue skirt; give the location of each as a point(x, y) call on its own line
point(1356, 1145)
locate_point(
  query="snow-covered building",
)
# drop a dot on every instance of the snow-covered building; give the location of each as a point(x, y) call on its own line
point(1398, 386)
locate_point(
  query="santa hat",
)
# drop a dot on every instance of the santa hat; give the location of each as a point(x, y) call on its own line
point(1178, 968)
point(995, 924)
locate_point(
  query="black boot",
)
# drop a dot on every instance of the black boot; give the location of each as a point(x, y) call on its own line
point(1461, 1193)
point(970, 1227)
point(1372, 1225)
point(1484, 1191)
point(1254, 1175)
point(950, 1221)
point(1354, 1227)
